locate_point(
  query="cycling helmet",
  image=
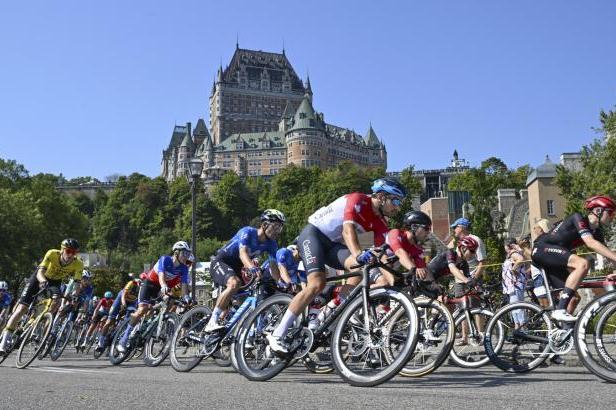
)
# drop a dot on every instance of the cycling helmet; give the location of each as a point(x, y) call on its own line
point(181, 246)
point(108, 294)
point(600, 201)
point(272, 215)
point(70, 243)
point(95, 299)
point(416, 218)
point(468, 243)
point(292, 247)
point(3, 285)
point(389, 185)
point(86, 274)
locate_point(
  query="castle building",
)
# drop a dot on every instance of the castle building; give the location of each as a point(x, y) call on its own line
point(262, 119)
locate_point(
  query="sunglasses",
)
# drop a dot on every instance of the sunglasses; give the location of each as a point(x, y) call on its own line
point(276, 227)
point(70, 251)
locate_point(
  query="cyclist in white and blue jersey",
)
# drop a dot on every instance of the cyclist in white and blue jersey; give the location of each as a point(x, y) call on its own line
point(248, 243)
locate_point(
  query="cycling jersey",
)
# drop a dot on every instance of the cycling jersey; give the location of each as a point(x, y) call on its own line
point(104, 304)
point(285, 257)
point(5, 300)
point(355, 208)
point(173, 274)
point(398, 239)
point(86, 293)
point(56, 271)
point(130, 291)
point(570, 231)
point(248, 238)
point(439, 265)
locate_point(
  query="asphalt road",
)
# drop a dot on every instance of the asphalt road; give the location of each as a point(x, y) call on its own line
point(79, 382)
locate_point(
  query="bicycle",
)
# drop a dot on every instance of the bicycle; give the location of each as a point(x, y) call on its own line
point(154, 329)
point(527, 345)
point(362, 350)
point(190, 344)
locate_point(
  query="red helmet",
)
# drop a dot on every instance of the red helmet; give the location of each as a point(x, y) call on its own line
point(468, 243)
point(600, 201)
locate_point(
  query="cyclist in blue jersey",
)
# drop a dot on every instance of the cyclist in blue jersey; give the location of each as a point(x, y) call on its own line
point(238, 253)
point(168, 272)
point(5, 302)
point(288, 261)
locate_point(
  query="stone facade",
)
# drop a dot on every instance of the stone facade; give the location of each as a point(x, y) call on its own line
point(262, 119)
point(544, 198)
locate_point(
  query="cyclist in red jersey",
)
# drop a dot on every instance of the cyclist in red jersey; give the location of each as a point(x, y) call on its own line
point(331, 238)
point(553, 250)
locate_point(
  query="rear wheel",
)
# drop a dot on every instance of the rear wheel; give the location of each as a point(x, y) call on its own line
point(367, 357)
point(522, 349)
point(34, 341)
point(436, 338)
point(470, 353)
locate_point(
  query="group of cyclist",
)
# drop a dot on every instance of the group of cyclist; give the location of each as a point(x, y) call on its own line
point(329, 241)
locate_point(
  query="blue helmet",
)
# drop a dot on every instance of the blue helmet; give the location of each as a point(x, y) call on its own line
point(108, 294)
point(389, 185)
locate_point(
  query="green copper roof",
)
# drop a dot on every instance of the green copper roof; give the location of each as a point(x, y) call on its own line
point(305, 117)
point(371, 139)
point(252, 141)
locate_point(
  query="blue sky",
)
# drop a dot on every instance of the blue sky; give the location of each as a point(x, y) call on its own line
point(95, 88)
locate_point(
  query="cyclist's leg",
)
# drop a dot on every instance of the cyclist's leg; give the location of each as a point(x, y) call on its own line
point(222, 275)
point(21, 307)
point(148, 291)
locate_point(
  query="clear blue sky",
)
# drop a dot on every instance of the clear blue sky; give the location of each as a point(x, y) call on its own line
point(94, 88)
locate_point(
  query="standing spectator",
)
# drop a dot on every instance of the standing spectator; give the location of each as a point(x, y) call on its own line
point(514, 277)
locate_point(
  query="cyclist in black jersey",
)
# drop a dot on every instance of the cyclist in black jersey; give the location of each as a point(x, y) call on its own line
point(553, 250)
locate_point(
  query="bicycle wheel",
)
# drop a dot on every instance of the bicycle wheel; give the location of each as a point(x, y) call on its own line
point(115, 357)
point(436, 338)
point(319, 360)
point(255, 360)
point(523, 349)
point(156, 348)
point(473, 355)
point(186, 340)
point(595, 336)
point(61, 340)
point(369, 357)
point(34, 341)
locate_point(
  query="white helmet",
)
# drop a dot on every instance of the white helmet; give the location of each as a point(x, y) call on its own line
point(292, 247)
point(3, 285)
point(86, 274)
point(181, 246)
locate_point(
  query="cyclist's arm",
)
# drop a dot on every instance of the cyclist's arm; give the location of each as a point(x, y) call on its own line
point(245, 257)
point(457, 273)
point(280, 272)
point(599, 247)
point(185, 290)
point(478, 270)
point(124, 297)
point(349, 235)
point(405, 259)
point(40, 274)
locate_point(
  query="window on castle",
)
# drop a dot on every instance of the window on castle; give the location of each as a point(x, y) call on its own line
point(550, 205)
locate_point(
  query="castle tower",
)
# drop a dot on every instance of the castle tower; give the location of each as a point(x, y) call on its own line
point(305, 139)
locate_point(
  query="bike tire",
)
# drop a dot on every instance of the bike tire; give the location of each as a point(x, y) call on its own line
point(61, 340)
point(478, 358)
point(426, 360)
point(40, 331)
point(596, 358)
point(170, 323)
point(200, 315)
point(502, 355)
point(115, 357)
point(272, 308)
point(341, 341)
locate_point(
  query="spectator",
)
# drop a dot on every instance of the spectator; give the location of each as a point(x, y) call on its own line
point(514, 277)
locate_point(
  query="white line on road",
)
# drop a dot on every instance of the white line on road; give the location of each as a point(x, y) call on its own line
point(64, 370)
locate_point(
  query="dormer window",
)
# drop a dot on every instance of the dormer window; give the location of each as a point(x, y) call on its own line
point(302, 115)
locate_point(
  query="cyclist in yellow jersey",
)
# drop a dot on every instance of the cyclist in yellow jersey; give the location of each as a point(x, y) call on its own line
point(57, 265)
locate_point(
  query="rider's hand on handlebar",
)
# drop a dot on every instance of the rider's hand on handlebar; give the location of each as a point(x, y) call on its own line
point(365, 257)
point(421, 273)
point(164, 289)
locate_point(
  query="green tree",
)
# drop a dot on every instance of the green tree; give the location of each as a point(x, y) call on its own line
point(236, 202)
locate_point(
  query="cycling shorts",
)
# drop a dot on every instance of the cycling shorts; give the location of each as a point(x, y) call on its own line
point(317, 250)
point(554, 259)
point(221, 272)
point(33, 287)
point(148, 292)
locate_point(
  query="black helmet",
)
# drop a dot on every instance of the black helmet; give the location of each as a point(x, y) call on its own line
point(70, 243)
point(416, 218)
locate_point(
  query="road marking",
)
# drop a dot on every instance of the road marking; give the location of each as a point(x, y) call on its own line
point(65, 370)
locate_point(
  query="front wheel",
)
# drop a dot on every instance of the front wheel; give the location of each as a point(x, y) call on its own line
point(367, 357)
point(596, 339)
point(157, 347)
point(186, 340)
point(34, 341)
point(115, 356)
point(468, 351)
point(517, 337)
point(64, 336)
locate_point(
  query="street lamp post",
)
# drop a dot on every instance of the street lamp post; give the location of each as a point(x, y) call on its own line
point(195, 168)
